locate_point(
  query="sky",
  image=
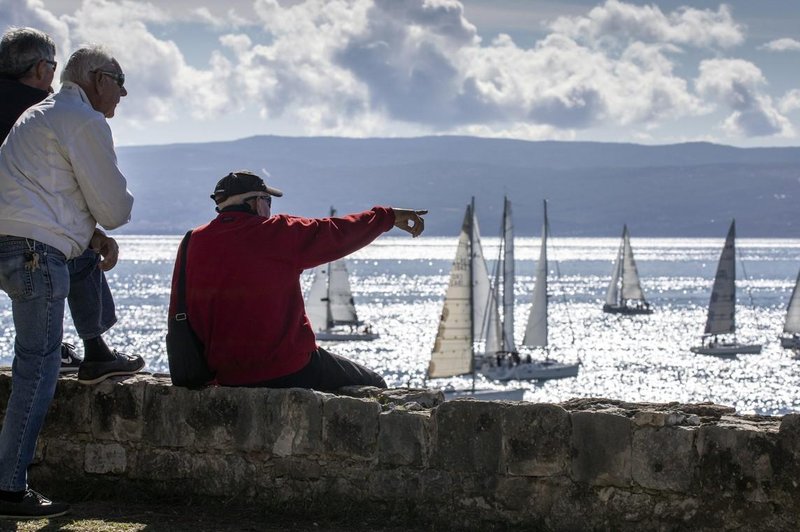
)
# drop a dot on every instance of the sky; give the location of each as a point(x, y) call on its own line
point(656, 72)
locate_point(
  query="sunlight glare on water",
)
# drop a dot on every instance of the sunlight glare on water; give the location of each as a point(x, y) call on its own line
point(399, 284)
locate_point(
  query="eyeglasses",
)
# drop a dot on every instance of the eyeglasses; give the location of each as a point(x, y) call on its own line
point(119, 77)
point(267, 198)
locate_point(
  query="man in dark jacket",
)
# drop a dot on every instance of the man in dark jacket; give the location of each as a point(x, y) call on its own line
point(27, 69)
point(243, 294)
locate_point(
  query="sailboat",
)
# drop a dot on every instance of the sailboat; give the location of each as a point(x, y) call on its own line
point(330, 307)
point(469, 320)
point(790, 339)
point(625, 295)
point(507, 364)
point(721, 319)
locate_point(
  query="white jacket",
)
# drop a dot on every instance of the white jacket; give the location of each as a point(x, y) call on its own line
point(59, 176)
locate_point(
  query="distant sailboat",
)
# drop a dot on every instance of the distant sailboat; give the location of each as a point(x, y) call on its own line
point(721, 319)
point(468, 318)
point(508, 364)
point(625, 295)
point(330, 307)
point(791, 327)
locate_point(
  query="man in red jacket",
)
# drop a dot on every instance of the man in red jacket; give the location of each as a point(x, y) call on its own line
point(243, 294)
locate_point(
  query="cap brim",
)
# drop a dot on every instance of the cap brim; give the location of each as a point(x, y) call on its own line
point(274, 192)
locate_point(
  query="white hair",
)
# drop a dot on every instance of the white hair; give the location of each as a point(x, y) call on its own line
point(86, 59)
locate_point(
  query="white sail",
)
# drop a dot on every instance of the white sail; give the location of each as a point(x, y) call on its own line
point(536, 329)
point(508, 279)
point(631, 286)
point(452, 350)
point(792, 324)
point(485, 321)
point(317, 308)
point(612, 295)
point(340, 295)
point(722, 307)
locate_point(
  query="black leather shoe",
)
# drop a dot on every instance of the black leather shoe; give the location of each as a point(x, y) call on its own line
point(32, 506)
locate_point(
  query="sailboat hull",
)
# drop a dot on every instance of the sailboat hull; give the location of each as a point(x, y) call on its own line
point(624, 309)
point(790, 342)
point(727, 350)
point(534, 370)
point(344, 336)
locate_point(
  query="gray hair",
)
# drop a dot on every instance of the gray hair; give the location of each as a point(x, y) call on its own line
point(85, 60)
point(22, 48)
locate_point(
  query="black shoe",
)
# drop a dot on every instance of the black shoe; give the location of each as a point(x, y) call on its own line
point(32, 506)
point(92, 372)
point(70, 362)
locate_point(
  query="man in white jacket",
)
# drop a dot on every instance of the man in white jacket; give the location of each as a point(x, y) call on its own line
point(27, 68)
point(58, 180)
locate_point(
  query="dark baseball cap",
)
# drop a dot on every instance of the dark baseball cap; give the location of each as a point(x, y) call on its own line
point(240, 182)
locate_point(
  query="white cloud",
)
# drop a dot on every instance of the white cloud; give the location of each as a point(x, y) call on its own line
point(790, 101)
point(617, 21)
point(33, 13)
point(782, 45)
point(374, 67)
point(737, 84)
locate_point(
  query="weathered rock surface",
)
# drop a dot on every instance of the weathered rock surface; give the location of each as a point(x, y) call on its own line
point(581, 465)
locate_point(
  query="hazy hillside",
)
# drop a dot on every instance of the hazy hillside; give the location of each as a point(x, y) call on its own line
point(593, 188)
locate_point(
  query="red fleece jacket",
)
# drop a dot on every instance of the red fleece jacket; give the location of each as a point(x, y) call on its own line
point(243, 293)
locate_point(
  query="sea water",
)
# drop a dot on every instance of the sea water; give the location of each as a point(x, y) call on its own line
point(399, 284)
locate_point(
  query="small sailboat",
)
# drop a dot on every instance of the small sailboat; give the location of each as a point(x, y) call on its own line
point(330, 307)
point(507, 363)
point(719, 338)
point(625, 295)
point(468, 322)
point(790, 339)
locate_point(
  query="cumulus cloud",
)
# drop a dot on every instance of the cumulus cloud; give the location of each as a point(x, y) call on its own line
point(616, 21)
point(790, 101)
point(782, 45)
point(737, 83)
point(366, 67)
point(33, 13)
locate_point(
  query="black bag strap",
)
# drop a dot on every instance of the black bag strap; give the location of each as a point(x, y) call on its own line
point(180, 302)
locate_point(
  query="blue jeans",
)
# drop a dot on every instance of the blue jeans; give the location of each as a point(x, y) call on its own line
point(36, 278)
point(90, 301)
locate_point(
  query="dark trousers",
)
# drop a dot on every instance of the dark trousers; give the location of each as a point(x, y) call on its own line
point(327, 372)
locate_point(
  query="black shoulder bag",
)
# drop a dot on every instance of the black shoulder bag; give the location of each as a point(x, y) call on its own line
point(188, 366)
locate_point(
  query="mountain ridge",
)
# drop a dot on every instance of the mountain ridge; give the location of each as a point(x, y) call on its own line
point(688, 189)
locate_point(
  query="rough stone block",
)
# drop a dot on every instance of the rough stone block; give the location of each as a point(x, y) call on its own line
point(229, 418)
point(350, 426)
point(664, 458)
point(735, 456)
point(789, 435)
point(601, 443)
point(467, 436)
point(159, 464)
point(71, 409)
point(105, 458)
point(166, 409)
point(404, 438)
point(393, 485)
point(117, 410)
point(67, 455)
point(536, 440)
point(294, 422)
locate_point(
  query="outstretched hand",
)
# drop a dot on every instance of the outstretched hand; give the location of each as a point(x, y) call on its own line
point(410, 221)
point(107, 248)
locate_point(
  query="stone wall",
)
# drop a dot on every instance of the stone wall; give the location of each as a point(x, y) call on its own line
point(583, 464)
